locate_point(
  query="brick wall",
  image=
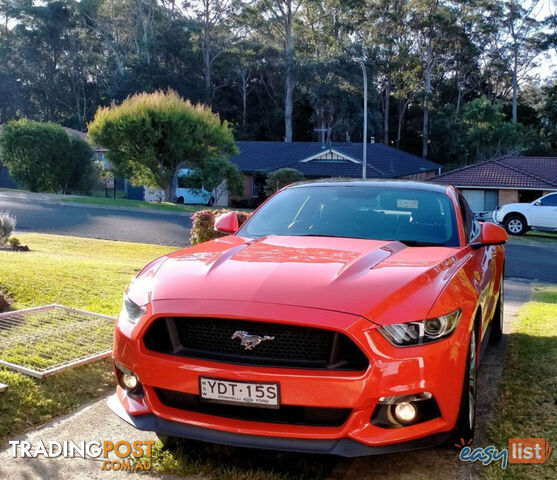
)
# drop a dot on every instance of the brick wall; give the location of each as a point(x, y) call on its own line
point(507, 196)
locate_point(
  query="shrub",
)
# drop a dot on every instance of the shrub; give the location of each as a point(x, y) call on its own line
point(203, 225)
point(280, 178)
point(14, 242)
point(7, 226)
point(42, 157)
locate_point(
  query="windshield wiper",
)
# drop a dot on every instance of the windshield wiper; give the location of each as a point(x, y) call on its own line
point(320, 235)
point(415, 243)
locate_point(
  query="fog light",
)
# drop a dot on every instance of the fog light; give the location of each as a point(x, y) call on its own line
point(129, 380)
point(405, 412)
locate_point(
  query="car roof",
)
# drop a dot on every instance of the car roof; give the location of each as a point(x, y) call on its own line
point(395, 184)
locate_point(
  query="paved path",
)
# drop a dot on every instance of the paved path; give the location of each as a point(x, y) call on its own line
point(93, 422)
point(532, 258)
point(97, 422)
point(131, 225)
point(442, 462)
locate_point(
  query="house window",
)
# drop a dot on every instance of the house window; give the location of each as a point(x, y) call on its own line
point(528, 196)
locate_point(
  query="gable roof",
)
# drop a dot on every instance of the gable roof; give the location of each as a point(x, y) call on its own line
point(506, 172)
point(382, 161)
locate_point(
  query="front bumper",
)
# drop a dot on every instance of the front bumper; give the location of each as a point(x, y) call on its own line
point(436, 368)
point(343, 447)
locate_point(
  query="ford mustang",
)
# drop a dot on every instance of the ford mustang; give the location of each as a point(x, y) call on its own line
point(344, 317)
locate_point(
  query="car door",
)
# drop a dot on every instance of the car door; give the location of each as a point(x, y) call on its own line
point(543, 213)
point(485, 271)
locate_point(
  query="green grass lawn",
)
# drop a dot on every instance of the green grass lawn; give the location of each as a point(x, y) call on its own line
point(122, 202)
point(527, 406)
point(81, 273)
point(221, 462)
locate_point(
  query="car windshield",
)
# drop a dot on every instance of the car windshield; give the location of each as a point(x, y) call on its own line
point(414, 217)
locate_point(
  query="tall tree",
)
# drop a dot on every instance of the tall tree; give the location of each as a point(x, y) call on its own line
point(519, 42)
point(277, 20)
point(217, 34)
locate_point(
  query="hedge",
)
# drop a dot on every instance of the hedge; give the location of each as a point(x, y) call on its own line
point(203, 224)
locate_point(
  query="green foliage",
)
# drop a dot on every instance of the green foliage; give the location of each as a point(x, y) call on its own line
point(481, 132)
point(549, 114)
point(14, 242)
point(42, 157)
point(203, 225)
point(443, 53)
point(149, 136)
point(7, 226)
point(218, 174)
point(281, 178)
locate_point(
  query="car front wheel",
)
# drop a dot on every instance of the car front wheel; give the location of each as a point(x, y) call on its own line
point(515, 225)
point(466, 421)
point(498, 318)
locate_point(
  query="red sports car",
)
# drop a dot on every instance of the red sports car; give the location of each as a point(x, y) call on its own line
point(343, 317)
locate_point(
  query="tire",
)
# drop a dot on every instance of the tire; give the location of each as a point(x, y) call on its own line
point(180, 200)
point(516, 225)
point(498, 318)
point(466, 420)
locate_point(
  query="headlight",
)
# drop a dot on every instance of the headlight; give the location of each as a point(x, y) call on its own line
point(425, 331)
point(131, 312)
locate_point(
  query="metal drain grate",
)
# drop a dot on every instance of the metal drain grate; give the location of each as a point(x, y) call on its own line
point(45, 340)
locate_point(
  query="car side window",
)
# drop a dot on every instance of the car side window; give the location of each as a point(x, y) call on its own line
point(471, 227)
point(550, 201)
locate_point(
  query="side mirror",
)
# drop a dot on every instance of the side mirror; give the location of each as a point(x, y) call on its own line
point(537, 203)
point(226, 223)
point(490, 234)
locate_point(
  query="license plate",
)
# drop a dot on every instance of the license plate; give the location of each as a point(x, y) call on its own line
point(242, 393)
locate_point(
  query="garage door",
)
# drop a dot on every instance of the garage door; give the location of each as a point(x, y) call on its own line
point(476, 199)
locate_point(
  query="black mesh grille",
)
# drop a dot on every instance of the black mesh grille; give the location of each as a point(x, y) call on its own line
point(287, 414)
point(292, 345)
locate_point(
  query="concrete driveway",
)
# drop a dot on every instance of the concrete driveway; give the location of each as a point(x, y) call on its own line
point(97, 422)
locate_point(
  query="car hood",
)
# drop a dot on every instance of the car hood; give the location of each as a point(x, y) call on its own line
point(515, 206)
point(384, 281)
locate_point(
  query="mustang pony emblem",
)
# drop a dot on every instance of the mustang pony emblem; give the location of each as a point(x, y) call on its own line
point(249, 342)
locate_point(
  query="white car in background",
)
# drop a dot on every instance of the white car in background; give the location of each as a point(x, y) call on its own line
point(518, 218)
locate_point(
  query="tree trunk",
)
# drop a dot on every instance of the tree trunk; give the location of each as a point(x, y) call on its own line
point(386, 112)
point(244, 99)
point(206, 48)
point(515, 83)
point(288, 82)
point(428, 73)
point(402, 106)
